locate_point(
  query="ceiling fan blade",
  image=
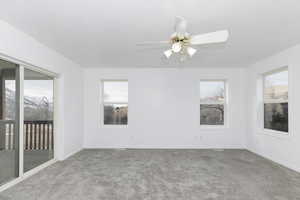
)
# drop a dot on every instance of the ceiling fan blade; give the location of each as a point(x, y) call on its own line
point(210, 38)
point(153, 43)
point(180, 26)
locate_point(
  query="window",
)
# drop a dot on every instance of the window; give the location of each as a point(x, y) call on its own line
point(115, 102)
point(275, 100)
point(212, 102)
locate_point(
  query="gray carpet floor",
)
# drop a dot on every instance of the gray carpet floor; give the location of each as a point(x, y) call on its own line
point(160, 175)
point(32, 159)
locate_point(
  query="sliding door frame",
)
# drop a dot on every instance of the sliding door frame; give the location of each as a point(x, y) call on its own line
point(20, 99)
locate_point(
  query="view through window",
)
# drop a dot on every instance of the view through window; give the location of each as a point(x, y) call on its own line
point(115, 102)
point(38, 119)
point(212, 102)
point(276, 101)
point(9, 115)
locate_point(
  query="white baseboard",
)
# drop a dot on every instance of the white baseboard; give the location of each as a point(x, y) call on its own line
point(279, 162)
point(71, 154)
point(163, 147)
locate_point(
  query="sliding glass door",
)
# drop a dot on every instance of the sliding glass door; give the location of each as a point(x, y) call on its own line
point(26, 119)
point(9, 121)
point(38, 119)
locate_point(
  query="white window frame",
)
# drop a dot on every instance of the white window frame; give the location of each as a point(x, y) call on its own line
point(262, 118)
point(225, 125)
point(113, 102)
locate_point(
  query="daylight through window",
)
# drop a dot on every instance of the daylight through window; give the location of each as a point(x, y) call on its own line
point(276, 101)
point(115, 102)
point(212, 102)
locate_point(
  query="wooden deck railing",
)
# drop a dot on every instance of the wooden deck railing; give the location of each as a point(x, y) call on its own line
point(38, 135)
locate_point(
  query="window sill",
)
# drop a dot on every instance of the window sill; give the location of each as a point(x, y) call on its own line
point(274, 133)
point(115, 126)
point(213, 127)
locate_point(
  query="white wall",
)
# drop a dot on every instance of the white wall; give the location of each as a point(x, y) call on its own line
point(163, 104)
point(163, 109)
point(282, 149)
point(16, 44)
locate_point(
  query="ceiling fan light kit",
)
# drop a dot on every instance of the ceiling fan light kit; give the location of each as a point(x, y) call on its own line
point(176, 47)
point(181, 41)
point(191, 51)
point(168, 53)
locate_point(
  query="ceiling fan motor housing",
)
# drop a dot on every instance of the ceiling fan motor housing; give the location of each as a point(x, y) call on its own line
point(180, 42)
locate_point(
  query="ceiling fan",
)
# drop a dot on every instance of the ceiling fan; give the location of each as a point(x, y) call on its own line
point(181, 41)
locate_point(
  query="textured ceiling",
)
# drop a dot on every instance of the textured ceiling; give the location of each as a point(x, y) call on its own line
point(104, 33)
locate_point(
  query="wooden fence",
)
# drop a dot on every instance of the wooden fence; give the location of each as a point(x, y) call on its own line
point(38, 135)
